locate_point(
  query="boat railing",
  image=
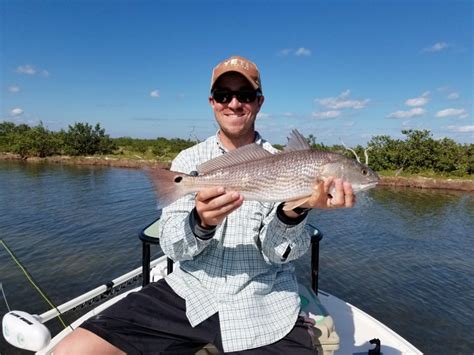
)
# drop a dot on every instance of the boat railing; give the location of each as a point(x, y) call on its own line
point(99, 291)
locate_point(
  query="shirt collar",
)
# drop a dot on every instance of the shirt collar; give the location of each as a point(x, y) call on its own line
point(257, 139)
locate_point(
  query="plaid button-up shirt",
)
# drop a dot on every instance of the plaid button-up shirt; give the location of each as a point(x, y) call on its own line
point(241, 272)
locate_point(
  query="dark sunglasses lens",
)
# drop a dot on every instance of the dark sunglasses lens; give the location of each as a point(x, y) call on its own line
point(246, 96)
point(222, 96)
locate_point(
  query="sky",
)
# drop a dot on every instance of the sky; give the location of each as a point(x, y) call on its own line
point(343, 71)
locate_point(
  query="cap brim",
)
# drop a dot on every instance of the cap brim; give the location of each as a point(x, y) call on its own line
point(246, 76)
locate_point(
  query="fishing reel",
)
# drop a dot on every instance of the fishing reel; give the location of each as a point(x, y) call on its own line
point(25, 331)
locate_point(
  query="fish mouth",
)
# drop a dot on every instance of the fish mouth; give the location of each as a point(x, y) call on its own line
point(366, 187)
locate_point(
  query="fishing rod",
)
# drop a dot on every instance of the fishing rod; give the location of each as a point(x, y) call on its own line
point(5, 297)
point(32, 282)
point(27, 331)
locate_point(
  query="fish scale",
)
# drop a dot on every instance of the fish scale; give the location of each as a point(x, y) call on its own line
point(281, 177)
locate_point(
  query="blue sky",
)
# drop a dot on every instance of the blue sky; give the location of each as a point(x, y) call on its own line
point(340, 70)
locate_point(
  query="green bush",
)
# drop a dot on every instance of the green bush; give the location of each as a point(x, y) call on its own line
point(418, 152)
point(83, 139)
point(36, 141)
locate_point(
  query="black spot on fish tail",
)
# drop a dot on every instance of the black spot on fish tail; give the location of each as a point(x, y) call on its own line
point(169, 185)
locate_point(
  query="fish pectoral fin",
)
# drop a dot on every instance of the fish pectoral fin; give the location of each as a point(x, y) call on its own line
point(289, 205)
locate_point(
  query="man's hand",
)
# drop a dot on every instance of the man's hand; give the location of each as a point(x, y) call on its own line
point(330, 193)
point(214, 204)
point(341, 196)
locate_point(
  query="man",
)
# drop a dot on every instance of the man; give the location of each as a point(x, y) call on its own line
point(234, 283)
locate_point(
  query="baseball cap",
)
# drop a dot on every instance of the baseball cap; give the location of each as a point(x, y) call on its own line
point(239, 65)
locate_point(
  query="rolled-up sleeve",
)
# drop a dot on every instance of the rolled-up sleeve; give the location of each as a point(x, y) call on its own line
point(281, 242)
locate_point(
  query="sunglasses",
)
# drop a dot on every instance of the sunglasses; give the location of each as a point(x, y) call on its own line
point(244, 96)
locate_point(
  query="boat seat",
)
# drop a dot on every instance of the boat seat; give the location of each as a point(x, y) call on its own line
point(150, 235)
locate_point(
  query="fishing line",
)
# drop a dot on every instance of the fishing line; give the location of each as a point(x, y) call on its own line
point(5, 297)
point(32, 282)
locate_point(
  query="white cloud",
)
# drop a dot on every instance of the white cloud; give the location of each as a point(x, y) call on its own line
point(155, 93)
point(31, 70)
point(417, 111)
point(285, 52)
point(302, 51)
point(14, 88)
point(297, 52)
point(26, 69)
point(461, 129)
point(453, 96)
point(419, 101)
point(437, 47)
point(289, 114)
point(342, 101)
point(16, 111)
point(449, 112)
point(326, 115)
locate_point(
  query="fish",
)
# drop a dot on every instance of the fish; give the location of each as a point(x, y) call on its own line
point(258, 175)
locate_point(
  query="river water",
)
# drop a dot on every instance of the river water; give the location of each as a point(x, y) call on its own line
point(405, 256)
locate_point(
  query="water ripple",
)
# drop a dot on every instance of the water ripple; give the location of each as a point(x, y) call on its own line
point(402, 255)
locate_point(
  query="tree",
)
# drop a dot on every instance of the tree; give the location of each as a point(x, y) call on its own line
point(386, 153)
point(83, 139)
point(6, 128)
point(43, 142)
point(10, 133)
point(35, 141)
point(420, 150)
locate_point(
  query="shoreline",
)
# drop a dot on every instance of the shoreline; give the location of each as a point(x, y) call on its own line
point(421, 182)
point(90, 160)
point(396, 181)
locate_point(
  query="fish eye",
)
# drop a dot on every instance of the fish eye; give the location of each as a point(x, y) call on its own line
point(364, 171)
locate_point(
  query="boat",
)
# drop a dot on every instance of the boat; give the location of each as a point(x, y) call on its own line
point(340, 327)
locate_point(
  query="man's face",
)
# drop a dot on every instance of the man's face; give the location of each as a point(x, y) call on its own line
point(236, 119)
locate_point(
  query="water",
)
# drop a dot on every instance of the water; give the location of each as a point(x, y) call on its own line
point(402, 255)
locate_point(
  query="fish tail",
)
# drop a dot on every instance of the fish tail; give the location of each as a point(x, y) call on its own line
point(168, 185)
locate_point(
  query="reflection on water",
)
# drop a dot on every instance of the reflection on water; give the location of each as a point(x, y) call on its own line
point(422, 209)
point(402, 255)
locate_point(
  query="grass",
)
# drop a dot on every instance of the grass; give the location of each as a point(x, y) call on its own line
point(148, 155)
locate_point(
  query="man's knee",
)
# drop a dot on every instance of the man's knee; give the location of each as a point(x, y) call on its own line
point(82, 341)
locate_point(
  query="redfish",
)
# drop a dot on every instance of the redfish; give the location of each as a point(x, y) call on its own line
point(288, 176)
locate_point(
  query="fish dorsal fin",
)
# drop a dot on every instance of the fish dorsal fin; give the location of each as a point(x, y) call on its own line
point(247, 153)
point(296, 141)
